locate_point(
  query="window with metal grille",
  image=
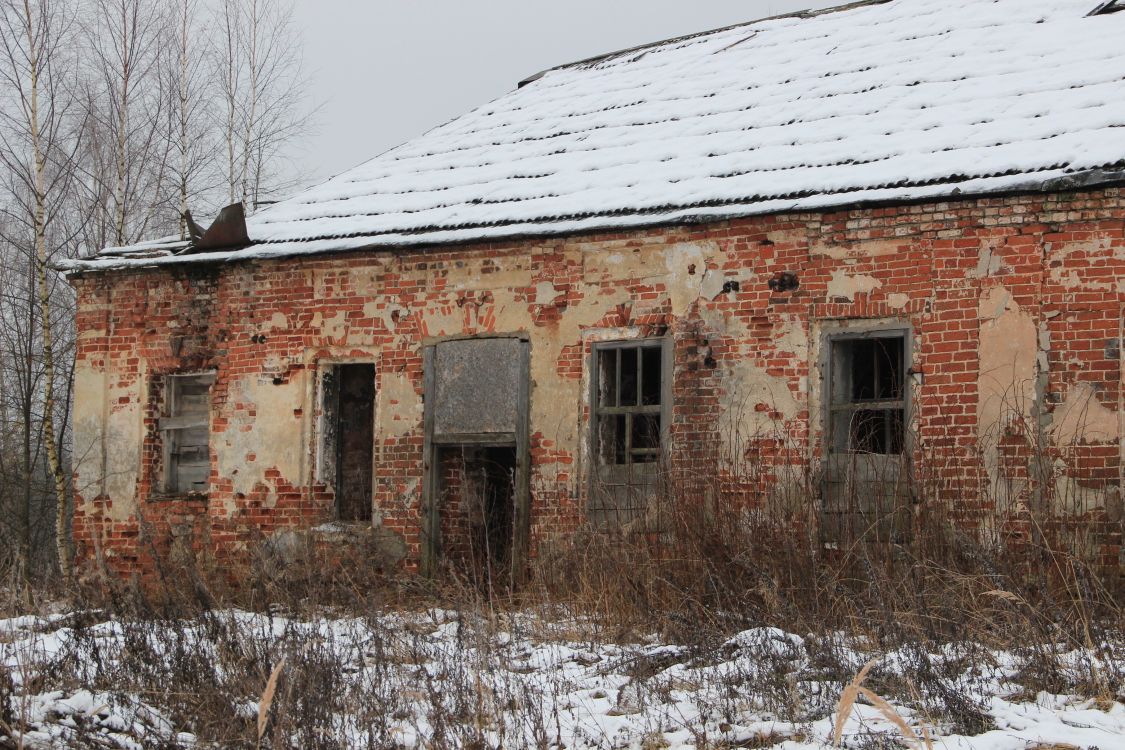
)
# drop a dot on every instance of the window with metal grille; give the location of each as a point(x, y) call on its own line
point(186, 432)
point(867, 403)
point(628, 401)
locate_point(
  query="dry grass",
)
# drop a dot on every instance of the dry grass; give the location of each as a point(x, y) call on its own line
point(700, 571)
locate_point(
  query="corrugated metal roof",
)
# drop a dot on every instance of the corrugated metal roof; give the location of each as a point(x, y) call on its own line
point(900, 100)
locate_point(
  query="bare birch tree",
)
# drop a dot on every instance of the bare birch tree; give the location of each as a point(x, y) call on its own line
point(114, 117)
point(38, 151)
point(189, 119)
point(127, 151)
point(262, 86)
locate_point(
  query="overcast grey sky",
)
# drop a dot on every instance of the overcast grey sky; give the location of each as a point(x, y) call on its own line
point(385, 71)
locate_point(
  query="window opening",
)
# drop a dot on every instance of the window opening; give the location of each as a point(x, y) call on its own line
point(867, 491)
point(868, 394)
point(629, 404)
point(186, 433)
point(629, 418)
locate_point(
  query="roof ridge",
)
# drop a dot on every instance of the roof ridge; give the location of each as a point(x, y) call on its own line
point(806, 13)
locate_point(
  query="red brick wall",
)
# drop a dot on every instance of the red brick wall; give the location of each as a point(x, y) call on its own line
point(1052, 267)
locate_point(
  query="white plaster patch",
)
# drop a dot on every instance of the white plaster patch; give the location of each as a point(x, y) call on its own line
point(750, 401)
point(277, 322)
point(1082, 418)
point(398, 406)
point(120, 436)
point(686, 265)
point(847, 286)
point(789, 337)
point(988, 263)
point(1007, 354)
point(545, 293)
point(275, 431)
point(898, 300)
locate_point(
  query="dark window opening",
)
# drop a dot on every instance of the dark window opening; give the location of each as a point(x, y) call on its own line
point(348, 438)
point(186, 432)
point(629, 383)
point(868, 394)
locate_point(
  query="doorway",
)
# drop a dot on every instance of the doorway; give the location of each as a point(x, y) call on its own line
point(348, 438)
point(476, 499)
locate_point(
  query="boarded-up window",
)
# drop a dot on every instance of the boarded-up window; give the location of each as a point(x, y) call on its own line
point(866, 480)
point(476, 384)
point(629, 412)
point(186, 431)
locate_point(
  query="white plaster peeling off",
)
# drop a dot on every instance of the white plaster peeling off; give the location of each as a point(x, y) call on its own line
point(1065, 269)
point(686, 265)
point(277, 322)
point(1082, 418)
point(988, 263)
point(545, 293)
point(275, 431)
point(103, 423)
point(335, 328)
point(865, 249)
point(751, 400)
point(1008, 351)
point(994, 302)
point(898, 300)
point(789, 337)
point(398, 406)
point(844, 285)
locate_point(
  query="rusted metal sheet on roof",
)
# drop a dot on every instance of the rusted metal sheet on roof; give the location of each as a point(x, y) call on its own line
point(228, 231)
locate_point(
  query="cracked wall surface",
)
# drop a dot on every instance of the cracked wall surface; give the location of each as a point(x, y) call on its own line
point(1013, 304)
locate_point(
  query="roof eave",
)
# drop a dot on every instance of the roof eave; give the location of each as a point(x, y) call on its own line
point(1084, 180)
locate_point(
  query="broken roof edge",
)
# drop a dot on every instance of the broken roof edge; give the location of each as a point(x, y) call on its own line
point(807, 13)
point(986, 187)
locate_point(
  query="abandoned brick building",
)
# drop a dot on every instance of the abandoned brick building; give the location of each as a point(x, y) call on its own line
point(876, 254)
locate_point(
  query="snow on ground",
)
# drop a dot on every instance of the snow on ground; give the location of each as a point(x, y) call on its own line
point(449, 679)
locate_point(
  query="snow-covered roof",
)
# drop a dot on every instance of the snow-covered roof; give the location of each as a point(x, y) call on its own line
point(882, 101)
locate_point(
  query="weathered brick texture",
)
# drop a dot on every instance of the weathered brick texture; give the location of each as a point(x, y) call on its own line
point(1015, 306)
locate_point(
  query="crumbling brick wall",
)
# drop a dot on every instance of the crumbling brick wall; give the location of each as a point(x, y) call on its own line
point(1015, 307)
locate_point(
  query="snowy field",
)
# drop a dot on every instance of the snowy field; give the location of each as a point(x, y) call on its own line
point(449, 679)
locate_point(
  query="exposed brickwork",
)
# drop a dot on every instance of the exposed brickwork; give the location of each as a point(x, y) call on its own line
point(1041, 274)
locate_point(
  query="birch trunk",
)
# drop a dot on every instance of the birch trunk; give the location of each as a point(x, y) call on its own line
point(62, 537)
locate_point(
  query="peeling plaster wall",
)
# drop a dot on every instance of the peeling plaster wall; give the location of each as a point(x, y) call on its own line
point(1013, 304)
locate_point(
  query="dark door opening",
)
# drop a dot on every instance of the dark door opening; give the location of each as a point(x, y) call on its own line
point(355, 441)
point(477, 498)
point(475, 456)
